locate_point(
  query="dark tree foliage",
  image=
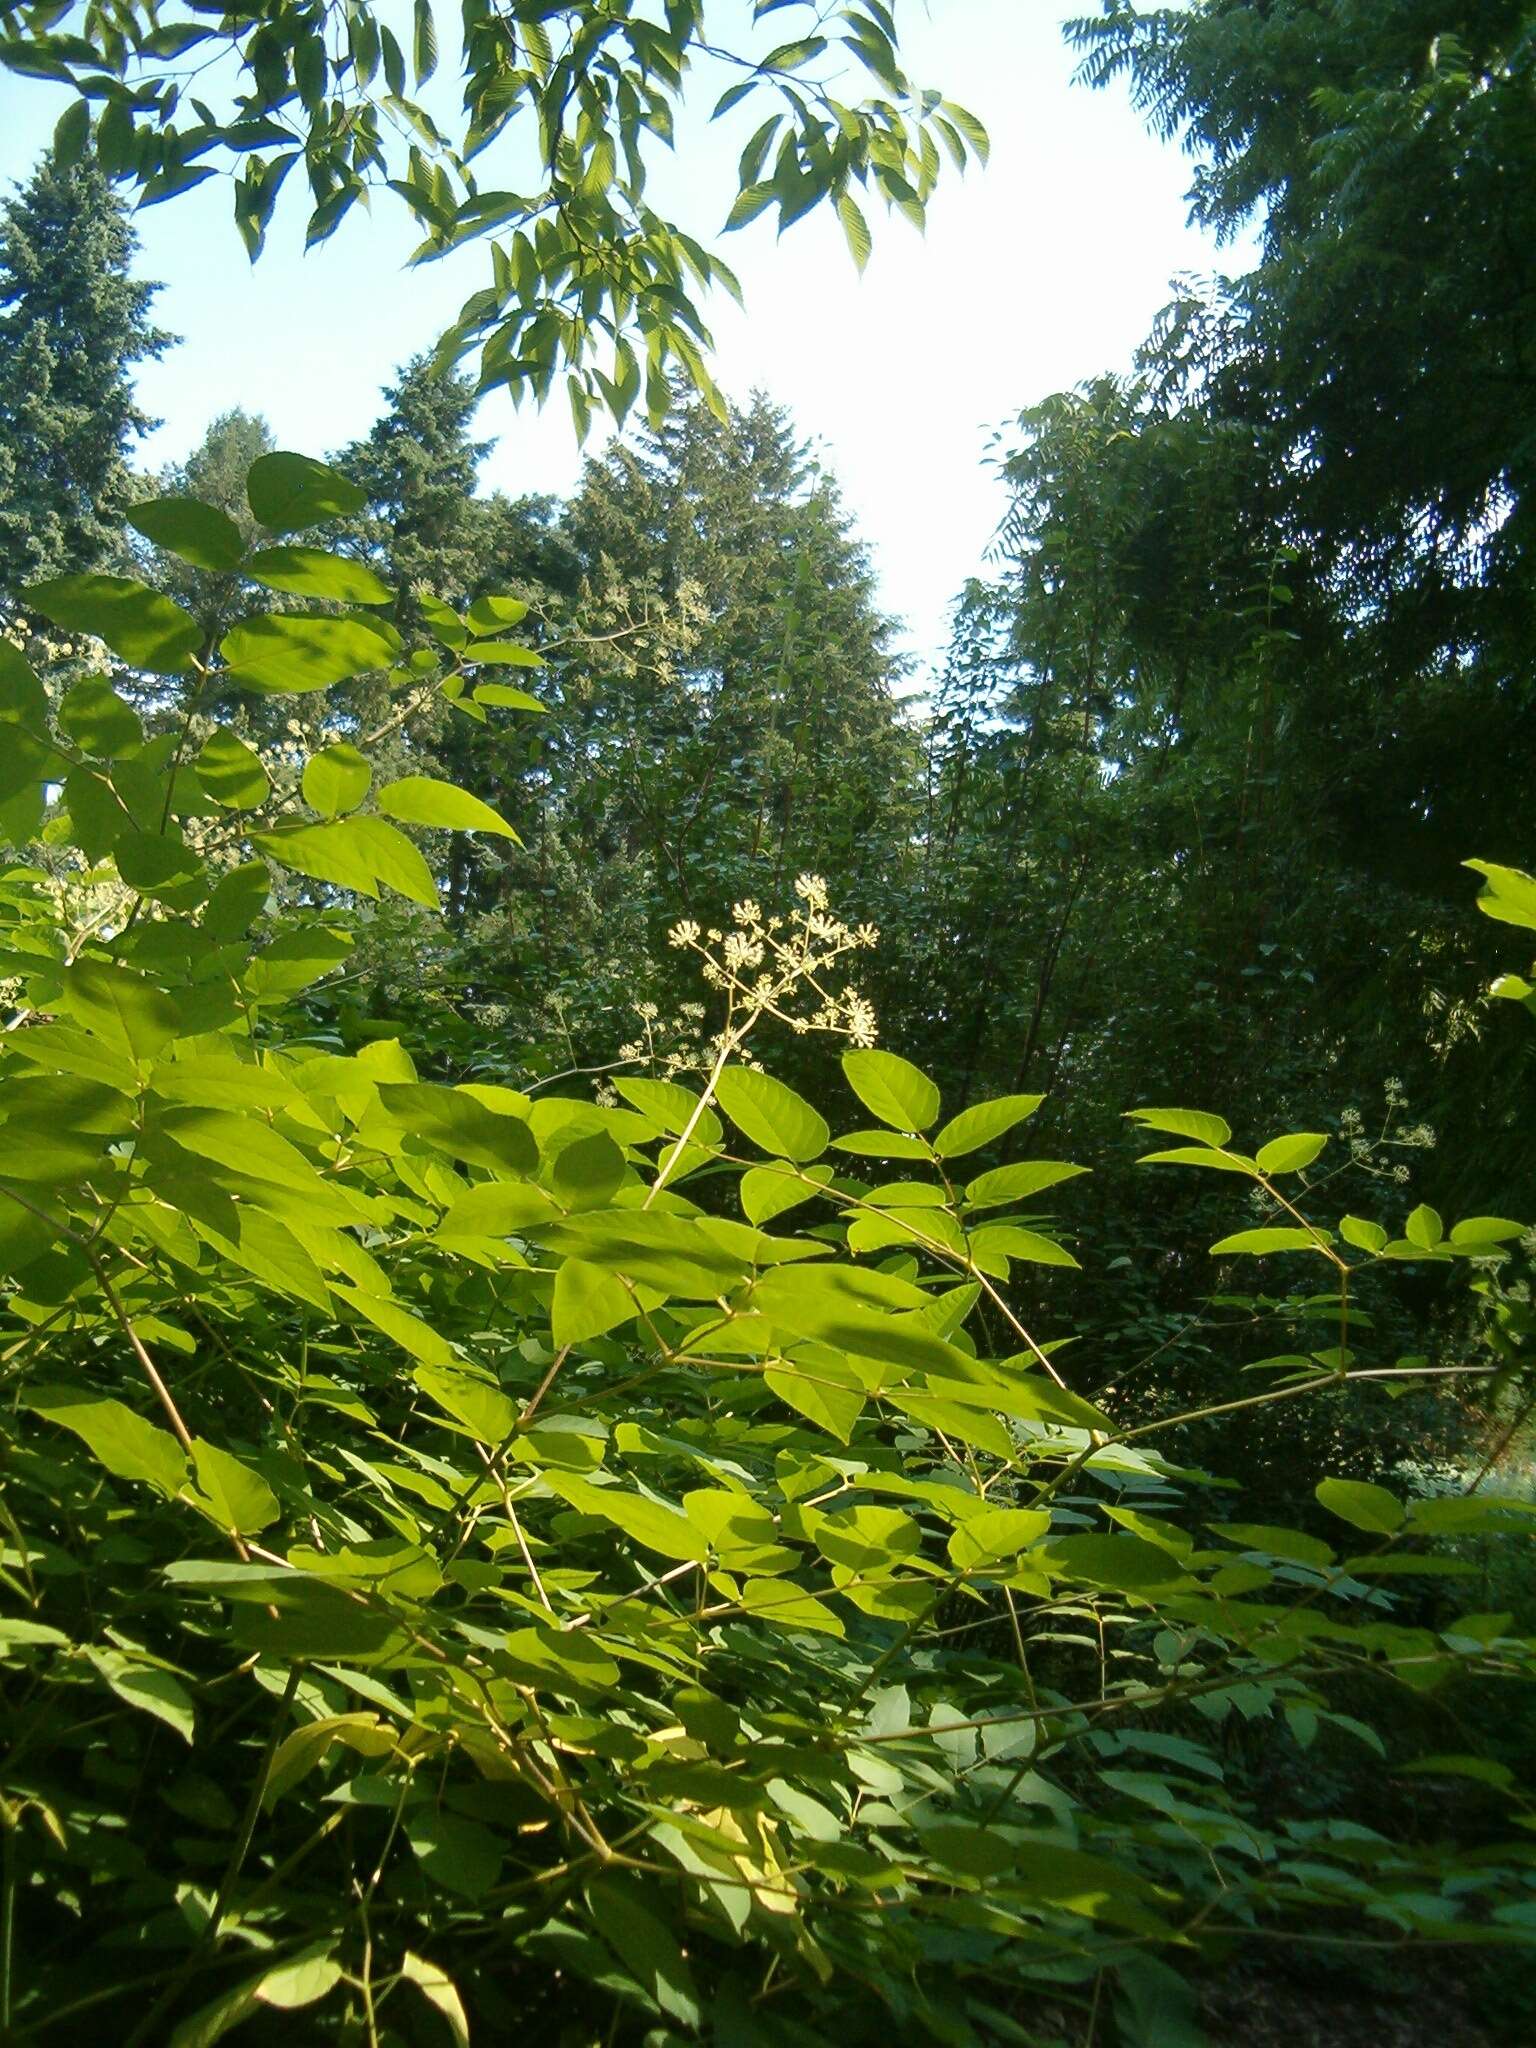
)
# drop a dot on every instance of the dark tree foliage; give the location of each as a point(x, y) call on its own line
point(74, 324)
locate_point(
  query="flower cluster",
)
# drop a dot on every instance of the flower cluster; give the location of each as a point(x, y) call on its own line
point(765, 962)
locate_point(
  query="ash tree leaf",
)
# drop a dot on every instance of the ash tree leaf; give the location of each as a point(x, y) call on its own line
point(336, 780)
point(147, 629)
point(457, 1124)
point(892, 1089)
point(99, 721)
point(1018, 1183)
point(501, 654)
point(586, 1173)
point(1507, 894)
point(121, 1005)
point(194, 532)
point(646, 1946)
point(439, 1991)
point(495, 614)
point(983, 1123)
point(23, 700)
point(292, 653)
point(117, 1437)
point(502, 696)
point(1202, 1155)
point(1424, 1227)
point(288, 492)
point(1028, 1245)
point(315, 572)
point(423, 800)
point(230, 772)
point(1290, 1154)
point(1185, 1123)
point(230, 1493)
point(588, 1302)
point(1362, 1505)
point(1362, 1234)
point(408, 1331)
point(1279, 1239)
point(772, 1115)
point(1126, 1564)
point(460, 1855)
point(148, 1688)
point(650, 1524)
point(352, 853)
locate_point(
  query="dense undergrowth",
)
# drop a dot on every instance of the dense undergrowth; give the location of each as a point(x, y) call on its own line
point(624, 1569)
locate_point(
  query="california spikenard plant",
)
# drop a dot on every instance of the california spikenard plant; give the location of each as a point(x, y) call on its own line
point(611, 1570)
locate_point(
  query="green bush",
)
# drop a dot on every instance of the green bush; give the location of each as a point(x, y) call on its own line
point(618, 1570)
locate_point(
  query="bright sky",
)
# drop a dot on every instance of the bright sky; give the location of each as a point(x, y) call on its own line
point(1033, 274)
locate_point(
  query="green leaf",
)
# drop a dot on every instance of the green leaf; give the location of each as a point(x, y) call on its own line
point(502, 654)
point(23, 700)
point(1507, 894)
point(855, 230)
point(1289, 1155)
point(883, 1145)
point(1185, 1123)
point(772, 1115)
point(1017, 1183)
point(353, 853)
point(1015, 1243)
point(117, 1004)
point(769, 1191)
point(148, 1688)
point(98, 720)
point(1424, 1227)
point(407, 1330)
point(996, 1535)
point(336, 780)
point(422, 800)
point(145, 628)
point(1362, 1505)
point(504, 697)
point(892, 1089)
point(983, 1124)
point(314, 572)
point(458, 1854)
point(1480, 1232)
point(439, 1992)
point(124, 1442)
point(586, 1173)
point(1127, 1564)
point(194, 532)
point(646, 1946)
point(670, 1107)
point(1363, 1235)
point(230, 1493)
point(296, 652)
point(460, 1126)
point(1200, 1155)
point(495, 614)
point(1273, 1240)
point(650, 1524)
point(588, 1302)
point(230, 772)
point(289, 492)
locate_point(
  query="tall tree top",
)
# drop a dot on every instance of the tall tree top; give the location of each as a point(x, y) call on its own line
point(74, 324)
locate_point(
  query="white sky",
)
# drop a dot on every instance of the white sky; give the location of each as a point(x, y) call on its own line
point(1033, 274)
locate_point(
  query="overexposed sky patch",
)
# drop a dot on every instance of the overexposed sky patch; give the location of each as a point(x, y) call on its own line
point(1033, 274)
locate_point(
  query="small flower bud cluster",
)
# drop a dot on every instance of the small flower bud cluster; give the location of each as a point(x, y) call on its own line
point(763, 963)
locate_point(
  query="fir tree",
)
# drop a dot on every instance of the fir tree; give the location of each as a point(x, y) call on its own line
point(73, 324)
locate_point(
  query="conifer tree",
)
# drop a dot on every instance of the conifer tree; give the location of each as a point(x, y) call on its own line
point(74, 323)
